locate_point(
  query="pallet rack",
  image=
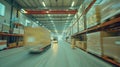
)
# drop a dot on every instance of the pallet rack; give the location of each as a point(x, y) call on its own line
point(110, 25)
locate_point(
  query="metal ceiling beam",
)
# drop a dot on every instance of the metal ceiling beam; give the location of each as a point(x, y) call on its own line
point(51, 11)
point(54, 16)
point(56, 20)
point(52, 8)
point(44, 19)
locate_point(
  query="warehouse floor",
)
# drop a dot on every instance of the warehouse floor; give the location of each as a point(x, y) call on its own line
point(59, 55)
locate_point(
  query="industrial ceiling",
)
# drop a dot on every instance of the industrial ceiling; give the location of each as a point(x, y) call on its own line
point(56, 15)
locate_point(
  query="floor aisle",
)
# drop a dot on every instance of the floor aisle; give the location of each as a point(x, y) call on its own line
point(59, 55)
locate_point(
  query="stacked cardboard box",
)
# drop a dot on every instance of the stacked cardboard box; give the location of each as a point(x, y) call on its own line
point(5, 28)
point(3, 44)
point(75, 28)
point(94, 42)
point(81, 24)
point(16, 31)
point(111, 47)
point(36, 36)
point(0, 27)
point(93, 16)
point(21, 43)
point(72, 43)
point(81, 44)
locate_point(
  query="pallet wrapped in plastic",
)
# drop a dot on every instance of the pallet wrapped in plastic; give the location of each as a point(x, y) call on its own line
point(75, 28)
point(81, 24)
point(3, 44)
point(12, 45)
point(5, 28)
point(109, 9)
point(81, 44)
point(0, 27)
point(93, 16)
point(111, 47)
point(16, 31)
point(36, 38)
point(21, 43)
point(94, 42)
point(72, 43)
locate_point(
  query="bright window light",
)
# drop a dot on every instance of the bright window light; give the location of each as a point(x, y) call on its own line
point(72, 4)
point(43, 4)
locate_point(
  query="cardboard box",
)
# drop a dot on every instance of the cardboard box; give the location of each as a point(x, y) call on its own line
point(21, 31)
point(111, 47)
point(81, 44)
point(94, 42)
point(1, 27)
point(5, 28)
point(36, 36)
point(12, 45)
point(20, 43)
point(3, 44)
point(81, 24)
point(93, 16)
point(16, 31)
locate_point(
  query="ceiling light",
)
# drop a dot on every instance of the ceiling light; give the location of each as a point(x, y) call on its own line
point(43, 4)
point(47, 11)
point(72, 4)
point(23, 11)
point(68, 14)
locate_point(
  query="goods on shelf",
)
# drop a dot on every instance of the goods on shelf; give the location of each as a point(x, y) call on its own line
point(16, 31)
point(34, 36)
point(111, 47)
point(75, 28)
point(12, 45)
point(21, 31)
point(3, 44)
point(5, 28)
point(21, 43)
point(94, 42)
point(93, 16)
point(72, 43)
point(81, 44)
point(18, 28)
point(81, 24)
point(0, 27)
point(109, 8)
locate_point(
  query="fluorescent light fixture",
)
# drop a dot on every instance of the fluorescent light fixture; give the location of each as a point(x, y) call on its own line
point(23, 11)
point(47, 11)
point(44, 4)
point(72, 4)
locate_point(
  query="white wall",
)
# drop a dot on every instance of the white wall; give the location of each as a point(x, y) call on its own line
point(6, 17)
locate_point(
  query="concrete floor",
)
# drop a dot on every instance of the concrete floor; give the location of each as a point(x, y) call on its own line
point(59, 55)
